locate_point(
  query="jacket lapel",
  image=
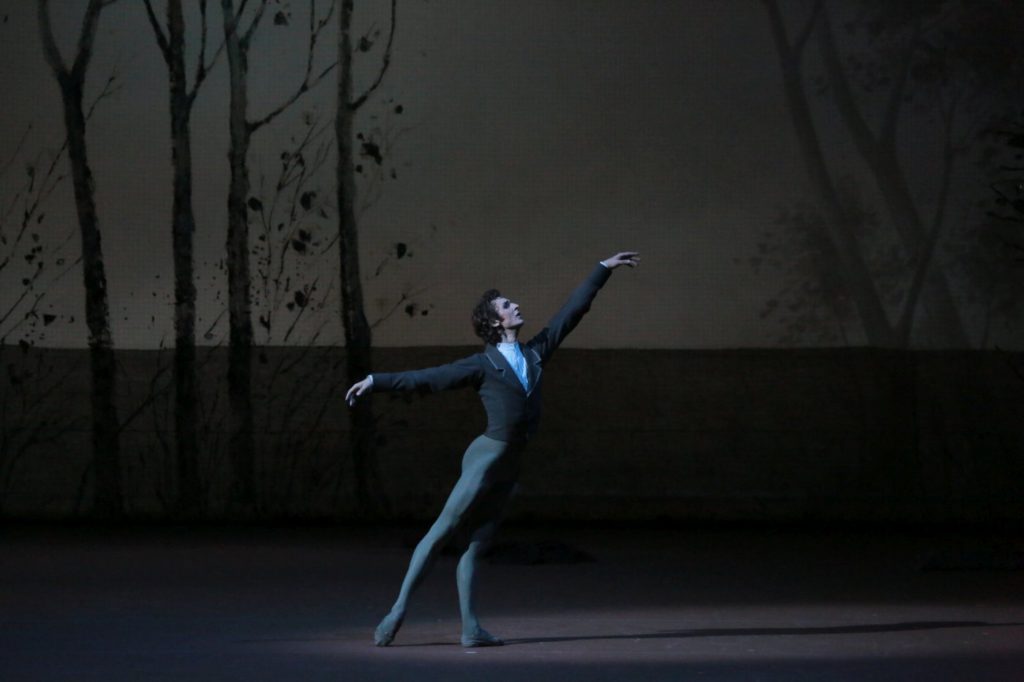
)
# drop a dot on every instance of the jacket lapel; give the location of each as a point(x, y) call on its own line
point(500, 364)
point(533, 366)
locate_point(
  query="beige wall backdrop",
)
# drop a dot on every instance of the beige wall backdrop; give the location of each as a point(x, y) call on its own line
point(522, 142)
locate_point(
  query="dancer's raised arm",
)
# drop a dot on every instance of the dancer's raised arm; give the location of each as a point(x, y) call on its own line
point(566, 319)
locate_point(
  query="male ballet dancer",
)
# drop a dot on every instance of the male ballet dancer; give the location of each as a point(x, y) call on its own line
point(507, 375)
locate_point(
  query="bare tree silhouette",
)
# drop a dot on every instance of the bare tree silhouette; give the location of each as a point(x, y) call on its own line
point(171, 41)
point(842, 241)
point(288, 210)
point(294, 385)
point(29, 262)
point(898, 59)
point(997, 270)
point(238, 37)
point(105, 426)
point(879, 150)
point(31, 415)
point(358, 334)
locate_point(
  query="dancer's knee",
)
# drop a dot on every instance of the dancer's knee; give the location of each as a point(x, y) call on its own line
point(471, 553)
point(442, 530)
point(467, 563)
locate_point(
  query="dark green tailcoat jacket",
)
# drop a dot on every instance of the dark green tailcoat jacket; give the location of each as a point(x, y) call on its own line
point(513, 412)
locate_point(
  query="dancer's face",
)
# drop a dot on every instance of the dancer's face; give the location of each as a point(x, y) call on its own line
point(508, 311)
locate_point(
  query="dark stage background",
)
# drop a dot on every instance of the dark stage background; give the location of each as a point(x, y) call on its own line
point(827, 197)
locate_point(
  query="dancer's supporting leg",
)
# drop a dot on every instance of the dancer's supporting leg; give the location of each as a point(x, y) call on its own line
point(468, 489)
point(472, 634)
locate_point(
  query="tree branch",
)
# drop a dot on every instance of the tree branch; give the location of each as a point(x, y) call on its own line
point(107, 91)
point(779, 32)
point(154, 392)
point(402, 299)
point(863, 137)
point(994, 186)
point(906, 321)
point(50, 49)
point(302, 309)
point(306, 85)
point(85, 39)
point(231, 16)
point(202, 68)
point(158, 31)
point(208, 334)
point(16, 152)
point(246, 36)
point(892, 109)
point(805, 33)
point(31, 312)
point(386, 62)
point(200, 65)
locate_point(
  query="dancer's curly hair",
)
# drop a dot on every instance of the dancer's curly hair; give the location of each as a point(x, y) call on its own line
point(484, 317)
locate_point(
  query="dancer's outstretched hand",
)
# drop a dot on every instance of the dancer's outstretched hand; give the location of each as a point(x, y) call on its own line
point(630, 258)
point(358, 388)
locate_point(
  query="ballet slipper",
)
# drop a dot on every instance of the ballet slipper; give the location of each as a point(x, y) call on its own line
point(480, 637)
point(388, 628)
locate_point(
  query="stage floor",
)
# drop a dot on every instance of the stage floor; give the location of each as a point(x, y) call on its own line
point(300, 603)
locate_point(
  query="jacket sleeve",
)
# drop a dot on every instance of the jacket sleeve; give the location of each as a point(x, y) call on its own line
point(566, 319)
point(464, 372)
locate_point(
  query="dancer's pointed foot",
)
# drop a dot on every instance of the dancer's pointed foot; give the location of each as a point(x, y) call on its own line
point(388, 628)
point(480, 637)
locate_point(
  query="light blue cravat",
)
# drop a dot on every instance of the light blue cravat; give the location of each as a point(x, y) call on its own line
point(515, 358)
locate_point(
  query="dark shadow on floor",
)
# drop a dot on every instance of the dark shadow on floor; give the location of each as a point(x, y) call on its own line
point(710, 632)
point(749, 632)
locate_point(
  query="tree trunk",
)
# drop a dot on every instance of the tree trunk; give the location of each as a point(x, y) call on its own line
point(105, 425)
point(189, 493)
point(358, 340)
point(239, 305)
point(841, 230)
point(942, 324)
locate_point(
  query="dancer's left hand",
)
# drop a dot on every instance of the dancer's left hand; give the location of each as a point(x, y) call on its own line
point(358, 388)
point(630, 258)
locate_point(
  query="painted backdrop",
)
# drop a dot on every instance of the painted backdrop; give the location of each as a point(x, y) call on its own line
point(211, 182)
